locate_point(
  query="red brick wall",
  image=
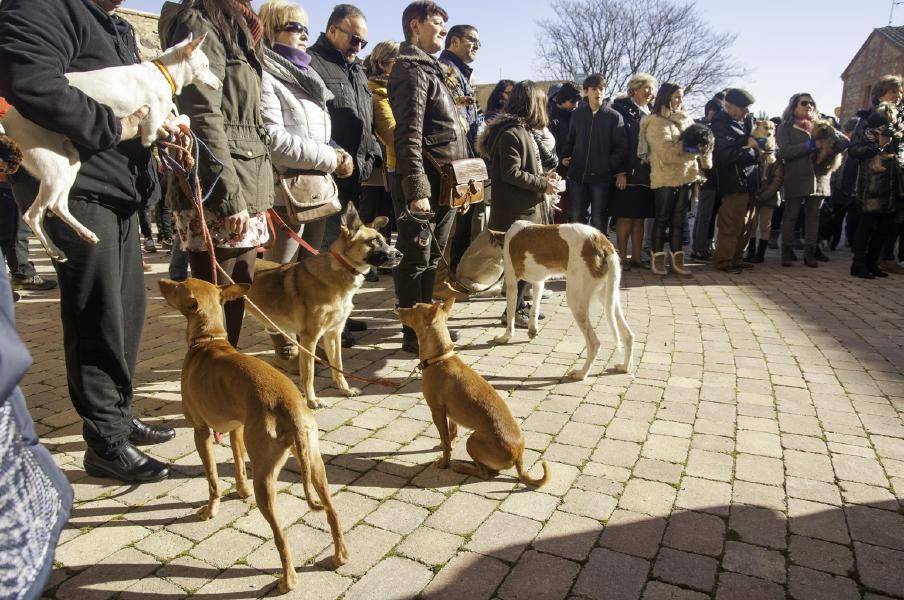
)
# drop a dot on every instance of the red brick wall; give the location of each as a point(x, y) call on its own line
point(879, 57)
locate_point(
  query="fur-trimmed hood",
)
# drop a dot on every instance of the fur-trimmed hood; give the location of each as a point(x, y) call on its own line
point(491, 132)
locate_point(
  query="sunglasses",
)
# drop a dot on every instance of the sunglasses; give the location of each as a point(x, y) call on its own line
point(354, 39)
point(295, 27)
point(472, 40)
point(807, 103)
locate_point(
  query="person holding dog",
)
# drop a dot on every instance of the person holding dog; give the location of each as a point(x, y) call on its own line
point(674, 169)
point(520, 182)
point(102, 294)
point(427, 120)
point(804, 186)
point(632, 199)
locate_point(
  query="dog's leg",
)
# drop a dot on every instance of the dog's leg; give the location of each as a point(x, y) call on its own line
point(442, 426)
point(534, 325)
point(59, 201)
point(578, 298)
point(477, 449)
point(321, 486)
point(237, 441)
point(306, 368)
point(267, 458)
point(511, 301)
point(332, 345)
point(204, 444)
point(453, 433)
point(627, 337)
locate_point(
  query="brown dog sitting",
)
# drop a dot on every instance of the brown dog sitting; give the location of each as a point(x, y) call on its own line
point(457, 395)
point(262, 409)
point(826, 159)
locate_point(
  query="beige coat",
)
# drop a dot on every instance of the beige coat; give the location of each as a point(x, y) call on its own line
point(670, 165)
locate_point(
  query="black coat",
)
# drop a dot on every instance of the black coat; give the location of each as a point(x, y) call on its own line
point(637, 171)
point(42, 40)
point(351, 110)
point(463, 89)
point(735, 166)
point(596, 143)
point(427, 120)
point(881, 192)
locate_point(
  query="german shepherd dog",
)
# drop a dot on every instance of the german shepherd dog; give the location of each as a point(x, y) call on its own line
point(313, 298)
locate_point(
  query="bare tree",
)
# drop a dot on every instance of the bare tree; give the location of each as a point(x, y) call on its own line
point(665, 38)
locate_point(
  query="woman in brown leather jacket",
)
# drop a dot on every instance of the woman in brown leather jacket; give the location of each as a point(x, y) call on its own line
point(427, 122)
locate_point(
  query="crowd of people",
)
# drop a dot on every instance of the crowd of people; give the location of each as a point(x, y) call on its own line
point(375, 133)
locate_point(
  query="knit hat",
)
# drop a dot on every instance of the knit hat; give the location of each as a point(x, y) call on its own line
point(566, 92)
point(739, 97)
point(553, 90)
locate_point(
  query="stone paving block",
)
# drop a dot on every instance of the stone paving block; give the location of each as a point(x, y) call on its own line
point(695, 532)
point(804, 443)
point(658, 470)
point(759, 469)
point(712, 443)
point(247, 583)
point(392, 577)
point(164, 545)
point(534, 505)
point(859, 493)
point(318, 585)
point(562, 477)
point(226, 547)
point(396, 516)
point(859, 469)
point(877, 527)
point(99, 543)
point(656, 590)
point(889, 447)
point(709, 465)
point(648, 497)
point(807, 584)
point(539, 576)
point(816, 491)
point(105, 579)
point(350, 507)
point(631, 430)
point(544, 422)
point(760, 443)
point(305, 542)
point(462, 513)
point(430, 546)
point(588, 504)
point(468, 575)
point(759, 526)
point(612, 575)
point(666, 448)
point(633, 533)
point(733, 586)
point(755, 561)
point(569, 536)
point(187, 572)
point(504, 536)
point(880, 569)
point(572, 455)
point(367, 546)
point(817, 554)
point(152, 587)
point(704, 495)
point(585, 435)
point(686, 569)
point(820, 521)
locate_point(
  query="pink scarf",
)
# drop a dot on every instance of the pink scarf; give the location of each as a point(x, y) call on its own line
point(805, 123)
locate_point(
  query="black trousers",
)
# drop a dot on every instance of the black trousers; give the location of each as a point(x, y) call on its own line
point(102, 305)
point(671, 206)
point(872, 231)
point(239, 264)
point(14, 236)
point(416, 274)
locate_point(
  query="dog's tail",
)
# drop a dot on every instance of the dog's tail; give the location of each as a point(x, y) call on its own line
point(525, 478)
point(611, 296)
point(306, 458)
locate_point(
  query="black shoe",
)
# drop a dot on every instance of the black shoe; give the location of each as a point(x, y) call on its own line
point(820, 255)
point(372, 276)
point(730, 269)
point(878, 272)
point(454, 335)
point(702, 256)
point(130, 466)
point(348, 340)
point(743, 264)
point(355, 325)
point(143, 434)
point(34, 283)
point(410, 345)
point(861, 272)
point(16, 297)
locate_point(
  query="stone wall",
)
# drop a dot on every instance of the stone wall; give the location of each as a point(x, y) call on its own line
point(145, 25)
point(879, 56)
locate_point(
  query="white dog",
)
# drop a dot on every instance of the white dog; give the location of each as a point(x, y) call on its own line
point(534, 253)
point(54, 161)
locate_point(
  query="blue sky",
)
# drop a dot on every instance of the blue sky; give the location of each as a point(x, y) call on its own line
point(787, 46)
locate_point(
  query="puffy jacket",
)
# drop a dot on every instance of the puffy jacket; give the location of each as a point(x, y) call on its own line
point(670, 165)
point(735, 166)
point(880, 192)
point(427, 120)
point(384, 120)
point(636, 170)
point(351, 108)
point(597, 144)
point(800, 176)
point(228, 119)
point(41, 41)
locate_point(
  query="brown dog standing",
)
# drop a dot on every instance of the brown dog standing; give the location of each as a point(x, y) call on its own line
point(262, 409)
point(457, 395)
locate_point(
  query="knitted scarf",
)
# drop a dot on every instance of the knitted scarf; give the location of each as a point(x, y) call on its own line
point(805, 123)
point(255, 28)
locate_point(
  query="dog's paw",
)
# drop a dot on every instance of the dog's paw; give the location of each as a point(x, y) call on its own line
point(340, 557)
point(503, 339)
point(287, 582)
point(243, 491)
point(208, 511)
point(313, 403)
point(532, 333)
point(350, 392)
point(442, 462)
point(576, 374)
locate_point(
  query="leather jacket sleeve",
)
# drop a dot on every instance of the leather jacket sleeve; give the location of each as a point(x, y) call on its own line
point(408, 98)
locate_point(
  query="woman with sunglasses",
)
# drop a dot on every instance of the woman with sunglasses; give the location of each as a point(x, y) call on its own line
point(804, 188)
point(427, 123)
point(294, 101)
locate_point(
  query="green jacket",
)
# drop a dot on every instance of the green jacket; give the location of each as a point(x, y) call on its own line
point(228, 119)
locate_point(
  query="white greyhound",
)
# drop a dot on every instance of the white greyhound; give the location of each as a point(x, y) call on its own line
point(52, 158)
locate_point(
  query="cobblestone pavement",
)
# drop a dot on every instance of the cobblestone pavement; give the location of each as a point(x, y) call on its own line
point(758, 452)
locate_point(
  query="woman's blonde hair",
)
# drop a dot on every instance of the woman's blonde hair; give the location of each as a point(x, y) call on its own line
point(639, 80)
point(276, 13)
point(382, 53)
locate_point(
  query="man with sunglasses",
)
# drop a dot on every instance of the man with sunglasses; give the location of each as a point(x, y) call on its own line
point(334, 56)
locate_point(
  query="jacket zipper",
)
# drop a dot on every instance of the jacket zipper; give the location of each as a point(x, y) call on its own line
point(589, 139)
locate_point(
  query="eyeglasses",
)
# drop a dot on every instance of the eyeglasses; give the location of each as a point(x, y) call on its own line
point(354, 39)
point(807, 103)
point(472, 40)
point(295, 27)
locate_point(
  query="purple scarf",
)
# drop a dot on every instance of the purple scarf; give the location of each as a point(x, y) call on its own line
point(297, 57)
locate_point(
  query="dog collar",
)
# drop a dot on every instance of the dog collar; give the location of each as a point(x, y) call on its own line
point(429, 362)
point(166, 75)
point(344, 262)
point(203, 339)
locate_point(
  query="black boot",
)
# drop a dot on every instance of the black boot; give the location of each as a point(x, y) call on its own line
point(760, 252)
point(859, 269)
point(810, 258)
point(751, 250)
point(787, 256)
point(409, 340)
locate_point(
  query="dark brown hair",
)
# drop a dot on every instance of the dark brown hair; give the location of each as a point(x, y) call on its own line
point(595, 81)
point(227, 21)
point(788, 114)
point(528, 101)
point(420, 10)
point(886, 84)
point(664, 97)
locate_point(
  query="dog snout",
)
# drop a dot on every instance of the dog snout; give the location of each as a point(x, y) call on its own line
point(387, 257)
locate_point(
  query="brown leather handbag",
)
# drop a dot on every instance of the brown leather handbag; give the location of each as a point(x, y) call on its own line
point(308, 195)
point(462, 182)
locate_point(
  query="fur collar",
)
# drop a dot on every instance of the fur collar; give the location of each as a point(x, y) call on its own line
point(410, 53)
point(309, 81)
point(490, 133)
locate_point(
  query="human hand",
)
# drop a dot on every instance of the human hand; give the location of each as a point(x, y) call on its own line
point(419, 205)
point(811, 145)
point(131, 125)
point(566, 161)
point(238, 223)
point(345, 166)
point(621, 181)
point(692, 150)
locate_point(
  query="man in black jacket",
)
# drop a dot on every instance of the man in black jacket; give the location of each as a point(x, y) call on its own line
point(594, 154)
point(102, 297)
point(735, 165)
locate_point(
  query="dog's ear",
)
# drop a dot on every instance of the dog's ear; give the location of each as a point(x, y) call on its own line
point(497, 238)
point(350, 219)
point(379, 223)
point(433, 313)
point(192, 45)
point(234, 291)
point(447, 306)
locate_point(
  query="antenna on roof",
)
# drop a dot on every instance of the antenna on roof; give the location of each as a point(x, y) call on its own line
point(891, 15)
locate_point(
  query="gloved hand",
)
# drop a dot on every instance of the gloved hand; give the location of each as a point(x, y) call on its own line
point(761, 142)
point(811, 145)
point(692, 150)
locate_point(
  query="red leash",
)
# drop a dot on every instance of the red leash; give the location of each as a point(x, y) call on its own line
point(271, 215)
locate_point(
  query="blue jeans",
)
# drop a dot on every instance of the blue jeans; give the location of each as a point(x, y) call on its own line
point(702, 240)
point(588, 203)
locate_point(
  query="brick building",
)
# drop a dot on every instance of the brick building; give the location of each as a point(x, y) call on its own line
point(881, 54)
point(145, 25)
